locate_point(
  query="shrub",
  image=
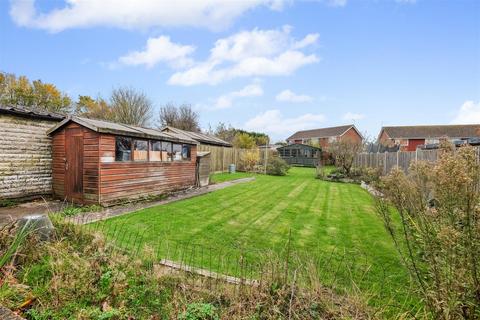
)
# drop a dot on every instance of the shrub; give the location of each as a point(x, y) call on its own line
point(276, 166)
point(200, 311)
point(435, 225)
point(249, 159)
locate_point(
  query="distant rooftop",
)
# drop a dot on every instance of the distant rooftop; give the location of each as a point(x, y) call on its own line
point(432, 131)
point(321, 132)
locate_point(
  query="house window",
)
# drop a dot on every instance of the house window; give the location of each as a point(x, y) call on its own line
point(123, 149)
point(166, 151)
point(155, 151)
point(140, 150)
point(177, 152)
point(186, 152)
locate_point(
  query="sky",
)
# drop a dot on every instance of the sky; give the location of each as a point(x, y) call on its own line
point(274, 66)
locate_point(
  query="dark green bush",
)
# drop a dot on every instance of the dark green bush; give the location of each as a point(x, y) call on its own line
point(277, 167)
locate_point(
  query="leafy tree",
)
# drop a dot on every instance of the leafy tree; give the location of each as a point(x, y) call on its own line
point(130, 106)
point(244, 141)
point(98, 108)
point(19, 91)
point(232, 135)
point(182, 117)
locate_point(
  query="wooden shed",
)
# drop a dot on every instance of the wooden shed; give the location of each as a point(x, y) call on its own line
point(103, 162)
point(300, 154)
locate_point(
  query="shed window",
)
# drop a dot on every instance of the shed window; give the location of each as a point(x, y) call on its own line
point(123, 149)
point(156, 151)
point(177, 152)
point(166, 151)
point(186, 152)
point(140, 150)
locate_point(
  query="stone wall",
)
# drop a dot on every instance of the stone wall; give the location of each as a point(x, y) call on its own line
point(25, 157)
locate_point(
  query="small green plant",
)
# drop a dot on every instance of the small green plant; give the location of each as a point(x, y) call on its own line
point(200, 311)
point(7, 203)
point(73, 210)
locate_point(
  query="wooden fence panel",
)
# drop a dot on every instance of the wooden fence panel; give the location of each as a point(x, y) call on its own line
point(222, 157)
point(402, 159)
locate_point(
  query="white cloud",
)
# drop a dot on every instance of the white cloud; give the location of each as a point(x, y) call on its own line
point(469, 113)
point(337, 3)
point(278, 126)
point(138, 14)
point(247, 54)
point(226, 100)
point(350, 116)
point(160, 49)
point(289, 96)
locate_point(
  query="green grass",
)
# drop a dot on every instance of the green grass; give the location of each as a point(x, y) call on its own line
point(222, 177)
point(318, 217)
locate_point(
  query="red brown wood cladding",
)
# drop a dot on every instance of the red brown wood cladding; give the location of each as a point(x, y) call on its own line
point(106, 181)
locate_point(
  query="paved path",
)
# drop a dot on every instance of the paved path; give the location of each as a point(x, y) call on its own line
point(10, 214)
point(125, 209)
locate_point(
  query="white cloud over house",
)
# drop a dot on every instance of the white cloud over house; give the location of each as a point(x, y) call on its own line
point(290, 96)
point(351, 116)
point(468, 113)
point(225, 101)
point(278, 126)
point(160, 49)
point(138, 14)
point(250, 54)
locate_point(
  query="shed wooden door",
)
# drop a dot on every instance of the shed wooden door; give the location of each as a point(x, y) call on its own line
point(74, 165)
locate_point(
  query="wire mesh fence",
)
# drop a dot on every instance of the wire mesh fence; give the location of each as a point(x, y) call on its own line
point(246, 267)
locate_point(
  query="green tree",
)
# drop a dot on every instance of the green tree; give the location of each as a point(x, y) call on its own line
point(98, 108)
point(244, 141)
point(20, 91)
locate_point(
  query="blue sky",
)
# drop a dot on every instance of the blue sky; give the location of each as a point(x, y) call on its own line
point(266, 65)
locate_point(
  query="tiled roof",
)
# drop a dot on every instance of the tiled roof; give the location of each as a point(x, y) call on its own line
point(31, 112)
point(320, 133)
point(123, 129)
point(198, 136)
point(437, 131)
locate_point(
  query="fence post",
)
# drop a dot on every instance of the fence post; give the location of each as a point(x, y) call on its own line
point(266, 155)
point(398, 153)
point(385, 164)
point(416, 155)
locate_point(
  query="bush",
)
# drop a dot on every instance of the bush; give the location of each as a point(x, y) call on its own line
point(200, 311)
point(436, 229)
point(249, 159)
point(276, 166)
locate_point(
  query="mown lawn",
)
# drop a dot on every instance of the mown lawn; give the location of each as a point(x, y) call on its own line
point(314, 217)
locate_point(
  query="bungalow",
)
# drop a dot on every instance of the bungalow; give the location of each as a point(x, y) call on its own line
point(324, 136)
point(103, 162)
point(408, 138)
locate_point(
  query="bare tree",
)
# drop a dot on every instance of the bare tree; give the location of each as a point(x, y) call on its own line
point(130, 106)
point(344, 152)
point(182, 117)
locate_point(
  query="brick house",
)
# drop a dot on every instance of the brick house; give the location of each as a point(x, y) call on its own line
point(324, 136)
point(408, 138)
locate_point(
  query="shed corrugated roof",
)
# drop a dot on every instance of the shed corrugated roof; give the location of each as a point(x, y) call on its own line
point(32, 112)
point(321, 132)
point(432, 131)
point(198, 136)
point(123, 129)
